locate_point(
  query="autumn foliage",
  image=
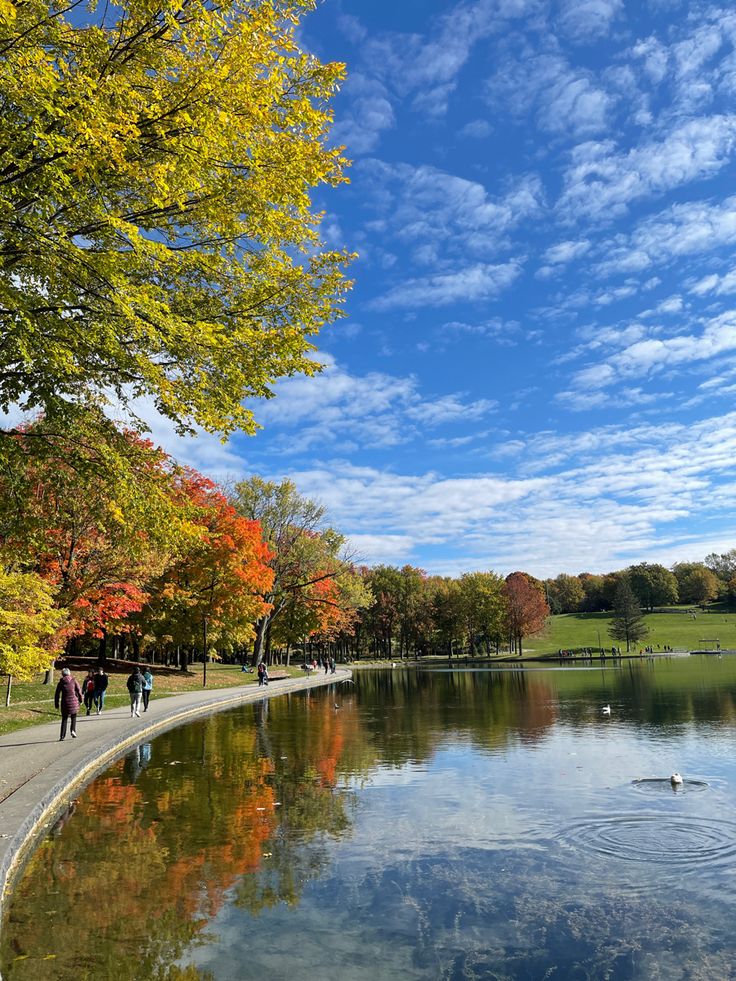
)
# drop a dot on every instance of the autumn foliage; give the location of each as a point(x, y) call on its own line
point(526, 607)
point(131, 554)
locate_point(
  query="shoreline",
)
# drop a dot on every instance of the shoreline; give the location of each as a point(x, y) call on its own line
point(38, 775)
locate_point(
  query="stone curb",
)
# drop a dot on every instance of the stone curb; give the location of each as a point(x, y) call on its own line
point(24, 815)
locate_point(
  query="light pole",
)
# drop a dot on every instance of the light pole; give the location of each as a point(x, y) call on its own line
point(204, 655)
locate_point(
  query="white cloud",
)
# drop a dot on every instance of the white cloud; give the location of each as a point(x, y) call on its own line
point(585, 20)
point(450, 408)
point(565, 100)
point(369, 115)
point(681, 230)
point(477, 129)
point(565, 252)
point(652, 354)
point(470, 285)
point(441, 211)
point(613, 496)
point(654, 57)
point(429, 66)
point(717, 285)
point(351, 27)
point(605, 184)
point(371, 410)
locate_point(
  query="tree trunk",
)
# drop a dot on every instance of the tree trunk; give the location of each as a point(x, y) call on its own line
point(102, 650)
point(259, 642)
point(7, 693)
point(204, 652)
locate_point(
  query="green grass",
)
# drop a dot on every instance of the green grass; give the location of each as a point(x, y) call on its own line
point(32, 702)
point(675, 629)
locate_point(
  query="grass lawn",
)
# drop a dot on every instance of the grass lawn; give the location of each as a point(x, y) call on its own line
point(32, 702)
point(678, 630)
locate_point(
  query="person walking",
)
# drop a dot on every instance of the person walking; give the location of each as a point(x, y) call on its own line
point(147, 687)
point(332, 665)
point(98, 696)
point(134, 685)
point(88, 689)
point(327, 664)
point(68, 697)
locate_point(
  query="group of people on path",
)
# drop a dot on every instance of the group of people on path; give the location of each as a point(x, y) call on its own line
point(93, 690)
point(328, 663)
point(140, 686)
point(69, 697)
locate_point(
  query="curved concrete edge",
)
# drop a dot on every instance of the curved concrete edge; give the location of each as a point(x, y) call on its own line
point(100, 754)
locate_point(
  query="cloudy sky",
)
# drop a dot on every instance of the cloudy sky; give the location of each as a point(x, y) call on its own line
point(538, 368)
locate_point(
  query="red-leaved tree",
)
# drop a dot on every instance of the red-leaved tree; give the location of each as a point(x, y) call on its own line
point(526, 607)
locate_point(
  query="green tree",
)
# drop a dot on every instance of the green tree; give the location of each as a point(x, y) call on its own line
point(413, 611)
point(303, 552)
point(565, 594)
point(157, 235)
point(723, 565)
point(482, 603)
point(382, 616)
point(653, 585)
point(598, 591)
point(448, 614)
point(695, 582)
point(627, 623)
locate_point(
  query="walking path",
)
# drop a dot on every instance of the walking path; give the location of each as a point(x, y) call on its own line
point(38, 774)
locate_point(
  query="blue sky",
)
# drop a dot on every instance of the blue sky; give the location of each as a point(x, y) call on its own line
point(538, 368)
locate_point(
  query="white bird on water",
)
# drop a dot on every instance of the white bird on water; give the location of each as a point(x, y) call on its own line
point(606, 709)
point(675, 779)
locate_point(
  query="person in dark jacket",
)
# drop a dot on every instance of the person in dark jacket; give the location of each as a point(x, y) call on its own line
point(135, 684)
point(68, 697)
point(101, 683)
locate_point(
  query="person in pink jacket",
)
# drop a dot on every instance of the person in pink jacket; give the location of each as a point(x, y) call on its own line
point(69, 697)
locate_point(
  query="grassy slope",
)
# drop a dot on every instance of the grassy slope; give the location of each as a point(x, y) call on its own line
point(32, 702)
point(675, 629)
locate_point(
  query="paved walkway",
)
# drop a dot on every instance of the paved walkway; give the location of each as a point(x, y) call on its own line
point(38, 773)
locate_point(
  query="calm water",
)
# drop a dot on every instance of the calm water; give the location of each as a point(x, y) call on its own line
point(457, 825)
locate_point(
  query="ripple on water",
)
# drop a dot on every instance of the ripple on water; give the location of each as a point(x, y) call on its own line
point(663, 785)
point(677, 842)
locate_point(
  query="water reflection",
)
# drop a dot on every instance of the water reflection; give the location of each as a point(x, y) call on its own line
point(434, 825)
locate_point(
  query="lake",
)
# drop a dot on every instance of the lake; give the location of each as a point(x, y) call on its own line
point(415, 824)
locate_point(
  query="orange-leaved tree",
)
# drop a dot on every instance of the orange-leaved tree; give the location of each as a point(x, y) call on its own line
point(212, 594)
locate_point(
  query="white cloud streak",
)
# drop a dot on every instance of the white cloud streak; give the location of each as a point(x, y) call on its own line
point(594, 501)
point(602, 183)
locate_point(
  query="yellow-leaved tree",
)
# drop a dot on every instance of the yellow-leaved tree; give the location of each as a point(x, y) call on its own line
point(157, 232)
point(29, 626)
